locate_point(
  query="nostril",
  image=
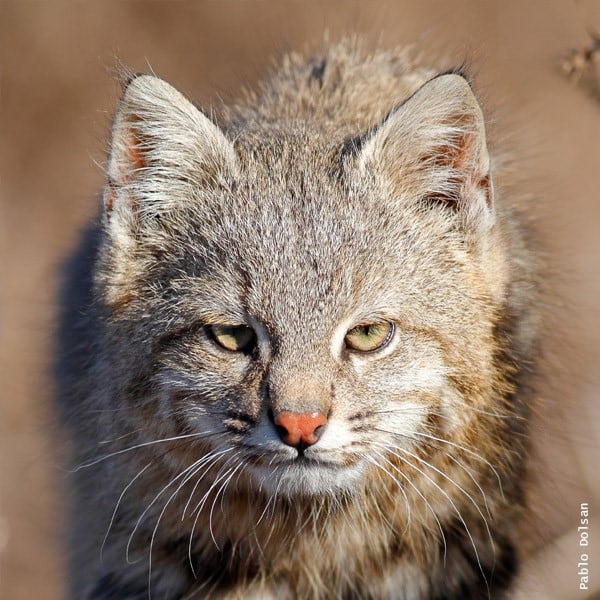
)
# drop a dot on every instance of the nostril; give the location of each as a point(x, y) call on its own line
point(318, 432)
point(282, 431)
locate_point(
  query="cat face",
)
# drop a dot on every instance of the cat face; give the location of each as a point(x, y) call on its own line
point(300, 308)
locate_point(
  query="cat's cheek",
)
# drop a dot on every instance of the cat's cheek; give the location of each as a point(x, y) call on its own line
point(455, 413)
point(406, 396)
point(402, 420)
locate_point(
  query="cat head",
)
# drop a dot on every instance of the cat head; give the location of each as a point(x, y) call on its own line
point(297, 303)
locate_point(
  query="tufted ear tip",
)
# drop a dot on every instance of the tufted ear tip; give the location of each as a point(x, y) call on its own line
point(142, 90)
point(129, 77)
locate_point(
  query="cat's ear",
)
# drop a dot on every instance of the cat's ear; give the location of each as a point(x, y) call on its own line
point(161, 140)
point(433, 148)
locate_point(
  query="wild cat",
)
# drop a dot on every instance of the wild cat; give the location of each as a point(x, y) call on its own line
point(295, 345)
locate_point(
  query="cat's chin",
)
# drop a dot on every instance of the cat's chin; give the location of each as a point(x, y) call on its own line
point(307, 478)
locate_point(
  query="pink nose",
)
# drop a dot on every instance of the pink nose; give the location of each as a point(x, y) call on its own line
point(300, 429)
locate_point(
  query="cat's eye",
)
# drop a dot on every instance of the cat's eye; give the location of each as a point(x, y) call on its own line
point(369, 337)
point(235, 338)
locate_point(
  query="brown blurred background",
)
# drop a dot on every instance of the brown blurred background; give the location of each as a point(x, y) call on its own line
point(58, 90)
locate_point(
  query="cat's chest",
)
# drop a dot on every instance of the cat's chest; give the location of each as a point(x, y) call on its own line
point(284, 557)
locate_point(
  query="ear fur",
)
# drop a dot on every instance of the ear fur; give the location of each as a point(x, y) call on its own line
point(433, 148)
point(158, 135)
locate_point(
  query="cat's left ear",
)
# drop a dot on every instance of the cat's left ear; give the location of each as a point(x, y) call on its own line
point(433, 148)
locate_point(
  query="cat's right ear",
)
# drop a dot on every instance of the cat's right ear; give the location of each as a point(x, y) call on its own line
point(160, 140)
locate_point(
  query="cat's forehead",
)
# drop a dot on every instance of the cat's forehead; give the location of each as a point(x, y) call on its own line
point(304, 246)
point(287, 154)
point(305, 219)
point(315, 255)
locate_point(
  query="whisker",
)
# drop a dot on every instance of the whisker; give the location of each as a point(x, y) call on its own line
point(218, 478)
point(201, 503)
point(122, 437)
point(162, 491)
point(448, 478)
point(458, 463)
point(453, 444)
point(175, 438)
point(452, 503)
point(114, 513)
point(270, 499)
point(400, 486)
point(212, 508)
point(468, 451)
point(211, 458)
point(441, 529)
point(275, 493)
point(427, 409)
point(200, 464)
point(189, 476)
point(461, 465)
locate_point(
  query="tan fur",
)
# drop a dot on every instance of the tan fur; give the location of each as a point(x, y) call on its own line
point(353, 187)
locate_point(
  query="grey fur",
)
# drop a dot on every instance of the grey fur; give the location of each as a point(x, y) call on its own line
point(357, 191)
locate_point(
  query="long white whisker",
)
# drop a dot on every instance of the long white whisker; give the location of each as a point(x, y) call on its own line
point(266, 508)
point(468, 451)
point(175, 438)
point(418, 492)
point(465, 469)
point(412, 410)
point(477, 508)
point(199, 465)
point(219, 477)
point(452, 503)
point(121, 437)
point(273, 505)
point(458, 463)
point(212, 508)
point(400, 486)
point(162, 491)
point(210, 458)
point(454, 445)
point(114, 513)
point(200, 506)
point(382, 516)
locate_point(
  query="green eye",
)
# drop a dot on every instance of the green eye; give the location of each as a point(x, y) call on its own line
point(235, 338)
point(368, 337)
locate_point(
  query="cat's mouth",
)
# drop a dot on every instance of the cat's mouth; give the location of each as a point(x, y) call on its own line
point(306, 462)
point(303, 474)
point(300, 458)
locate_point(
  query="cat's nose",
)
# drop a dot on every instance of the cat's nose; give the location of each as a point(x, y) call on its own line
point(299, 429)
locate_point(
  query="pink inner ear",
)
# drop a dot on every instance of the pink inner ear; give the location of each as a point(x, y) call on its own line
point(135, 158)
point(128, 157)
point(459, 155)
point(465, 161)
point(109, 197)
point(463, 153)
